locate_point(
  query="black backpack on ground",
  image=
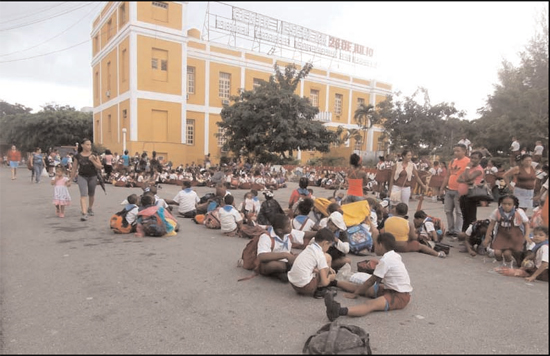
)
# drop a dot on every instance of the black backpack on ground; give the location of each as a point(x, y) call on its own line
point(335, 338)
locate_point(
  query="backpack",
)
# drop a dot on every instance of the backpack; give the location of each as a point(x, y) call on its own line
point(438, 225)
point(249, 257)
point(118, 222)
point(359, 239)
point(153, 225)
point(212, 219)
point(335, 338)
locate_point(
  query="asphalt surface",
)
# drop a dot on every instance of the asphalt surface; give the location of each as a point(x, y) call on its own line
point(73, 287)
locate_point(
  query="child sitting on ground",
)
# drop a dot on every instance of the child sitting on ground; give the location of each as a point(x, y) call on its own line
point(231, 219)
point(425, 226)
point(535, 263)
point(131, 206)
point(474, 236)
point(392, 294)
point(274, 248)
point(311, 269)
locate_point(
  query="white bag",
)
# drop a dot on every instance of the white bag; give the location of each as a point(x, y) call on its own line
point(44, 173)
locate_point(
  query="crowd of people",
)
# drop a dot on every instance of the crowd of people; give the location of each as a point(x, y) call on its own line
point(515, 234)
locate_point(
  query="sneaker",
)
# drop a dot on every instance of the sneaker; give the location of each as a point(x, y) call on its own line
point(441, 254)
point(84, 217)
point(333, 307)
point(61, 215)
point(90, 212)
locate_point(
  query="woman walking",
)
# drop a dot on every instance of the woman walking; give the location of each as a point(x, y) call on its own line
point(14, 156)
point(86, 164)
point(401, 179)
point(38, 164)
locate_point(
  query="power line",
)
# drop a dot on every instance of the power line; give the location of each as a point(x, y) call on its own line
point(45, 54)
point(41, 20)
point(26, 49)
point(38, 11)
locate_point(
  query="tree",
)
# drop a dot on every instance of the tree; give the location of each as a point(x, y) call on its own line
point(56, 126)
point(9, 109)
point(272, 119)
point(414, 123)
point(365, 117)
point(519, 105)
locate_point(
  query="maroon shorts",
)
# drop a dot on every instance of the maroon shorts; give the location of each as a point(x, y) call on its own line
point(394, 300)
point(309, 288)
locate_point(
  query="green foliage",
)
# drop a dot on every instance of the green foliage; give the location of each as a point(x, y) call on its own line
point(519, 105)
point(46, 129)
point(9, 109)
point(413, 123)
point(327, 161)
point(272, 120)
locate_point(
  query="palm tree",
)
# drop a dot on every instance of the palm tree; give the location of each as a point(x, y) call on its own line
point(364, 117)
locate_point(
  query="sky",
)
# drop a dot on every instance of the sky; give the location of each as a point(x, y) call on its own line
point(453, 49)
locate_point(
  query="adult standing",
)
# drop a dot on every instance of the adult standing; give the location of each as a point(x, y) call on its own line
point(473, 175)
point(38, 164)
point(14, 156)
point(357, 179)
point(86, 164)
point(401, 179)
point(451, 200)
point(126, 161)
point(525, 179)
point(537, 152)
point(514, 151)
point(108, 165)
point(463, 140)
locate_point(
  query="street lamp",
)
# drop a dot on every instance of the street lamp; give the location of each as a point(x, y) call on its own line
point(123, 139)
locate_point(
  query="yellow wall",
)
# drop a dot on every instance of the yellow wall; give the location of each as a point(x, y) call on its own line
point(200, 73)
point(109, 76)
point(343, 117)
point(145, 72)
point(308, 86)
point(215, 69)
point(106, 34)
point(146, 12)
point(109, 126)
point(251, 74)
point(157, 132)
point(124, 65)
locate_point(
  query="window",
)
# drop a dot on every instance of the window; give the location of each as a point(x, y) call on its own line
point(159, 64)
point(338, 104)
point(96, 44)
point(314, 97)
point(122, 14)
point(124, 114)
point(358, 145)
point(191, 80)
point(96, 84)
point(190, 132)
point(159, 11)
point(360, 101)
point(256, 83)
point(109, 77)
point(160, 4)
point(123, 65)
point(109, 29)
point(221, 137)
point(225, 85)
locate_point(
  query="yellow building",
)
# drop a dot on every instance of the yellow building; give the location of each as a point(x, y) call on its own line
point(159, 87)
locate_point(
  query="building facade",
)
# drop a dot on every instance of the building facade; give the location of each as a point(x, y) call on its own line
point(159, 87)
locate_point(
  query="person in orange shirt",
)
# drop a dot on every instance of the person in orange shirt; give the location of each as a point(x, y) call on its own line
point(451, 200)
point(14, 156)
point(357, 179)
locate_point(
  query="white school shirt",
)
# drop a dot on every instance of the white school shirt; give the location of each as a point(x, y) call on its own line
point(229, 219)
point(186, 200)
point(310, 258)
point(284, 245)
point(393, 273)
point(296, 224)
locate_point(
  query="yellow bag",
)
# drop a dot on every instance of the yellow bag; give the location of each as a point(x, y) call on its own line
point(354, 213)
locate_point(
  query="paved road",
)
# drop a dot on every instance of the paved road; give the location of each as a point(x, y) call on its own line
point(72, 287)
